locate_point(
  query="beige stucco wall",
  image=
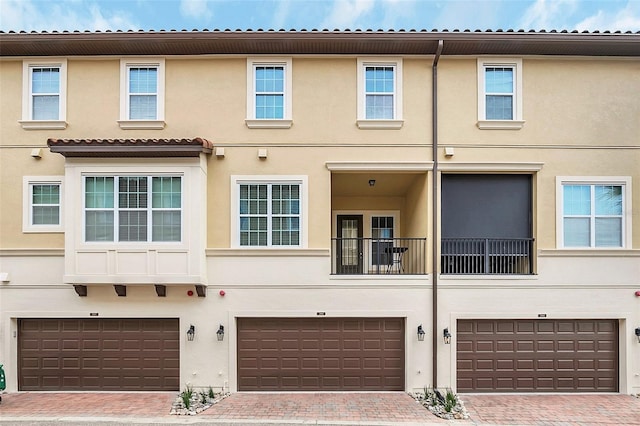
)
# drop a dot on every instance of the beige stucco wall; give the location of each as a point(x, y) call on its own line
point(568, 112)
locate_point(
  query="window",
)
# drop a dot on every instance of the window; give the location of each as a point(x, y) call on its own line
point(269, 93)
point(269, 211)
point(381, 240)
point(379, 93)
point(133, 208)
point(42, 211)
point(500, 94)
point(142, 94)
point(594, 214)
point(44, 95)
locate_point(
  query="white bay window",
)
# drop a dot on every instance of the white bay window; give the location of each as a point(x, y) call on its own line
point(133, 208)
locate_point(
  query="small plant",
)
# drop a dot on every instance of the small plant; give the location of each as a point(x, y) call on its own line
point(186, 396)
point(450, 400)
point(212, 394)
point(203, 397)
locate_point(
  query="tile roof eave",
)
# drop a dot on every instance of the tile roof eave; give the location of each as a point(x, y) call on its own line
point(130, 147)
point(318, 42)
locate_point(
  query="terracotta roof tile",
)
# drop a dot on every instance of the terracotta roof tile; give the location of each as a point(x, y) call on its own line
point(130, 147)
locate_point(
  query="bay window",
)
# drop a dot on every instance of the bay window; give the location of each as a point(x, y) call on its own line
point(133, 208)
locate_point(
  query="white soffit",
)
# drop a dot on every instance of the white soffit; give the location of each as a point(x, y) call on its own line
point(379, 166)
point(490, 167)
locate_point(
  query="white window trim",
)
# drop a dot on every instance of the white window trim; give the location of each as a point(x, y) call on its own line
point(367, 124)
point(125, 123)
point(116, 209)
point(624, 181)
point(237, 180)
point(281, 123)
point(27, 222)
point(517, 122)
point(27, 122)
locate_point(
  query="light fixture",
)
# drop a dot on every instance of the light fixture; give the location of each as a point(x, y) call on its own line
point(220, 333)
point(447, 336)
point(372, 182)
point(638, 334)
point(421, 333)
point(191, 333)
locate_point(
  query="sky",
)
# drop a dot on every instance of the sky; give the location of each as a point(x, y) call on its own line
point(102, 15)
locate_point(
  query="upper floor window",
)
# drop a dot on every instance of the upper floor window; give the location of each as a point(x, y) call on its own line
point(142, 94)
point(133, 208)
point(269, 211)
point(44, 95)
point(379, 93)
point(594, 213)
point(269, 93)
point(42, 210)
point(500, 94)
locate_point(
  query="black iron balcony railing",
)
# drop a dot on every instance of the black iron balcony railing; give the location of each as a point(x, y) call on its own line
point(374, 256)
point(487, 256)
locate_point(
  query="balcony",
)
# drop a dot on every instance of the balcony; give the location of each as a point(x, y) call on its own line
point(372, 256)
point(487, 256)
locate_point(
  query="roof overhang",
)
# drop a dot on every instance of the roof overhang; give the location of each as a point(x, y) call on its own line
point(315, 42)
point(130, 147)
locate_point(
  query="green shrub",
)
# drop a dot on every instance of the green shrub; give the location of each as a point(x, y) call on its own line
point(186, 397)
point(212, 394)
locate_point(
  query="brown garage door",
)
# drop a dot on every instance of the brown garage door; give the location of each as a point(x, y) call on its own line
point(99, 354)
point(537, 355)
point(320, 354)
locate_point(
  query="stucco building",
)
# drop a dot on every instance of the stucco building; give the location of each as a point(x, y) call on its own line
point(320, 210)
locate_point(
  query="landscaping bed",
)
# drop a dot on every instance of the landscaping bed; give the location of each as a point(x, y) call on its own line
point(190, 402)
point(445, 405)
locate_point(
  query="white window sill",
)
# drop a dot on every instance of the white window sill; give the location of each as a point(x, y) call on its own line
point(379, 124)
point(43, 229)
point(500, 124)
point(43, 124)
point(141, 124)
point(268, 124)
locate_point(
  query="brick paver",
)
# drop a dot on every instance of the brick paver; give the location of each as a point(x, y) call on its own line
point(102, 404)
point(302, 407)
point(553, 410)
point(359, 407)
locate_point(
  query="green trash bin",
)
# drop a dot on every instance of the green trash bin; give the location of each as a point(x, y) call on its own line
point(3, 381)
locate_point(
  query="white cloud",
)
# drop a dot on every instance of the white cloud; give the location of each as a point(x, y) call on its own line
point(197, 9)
point(548, 14)
point(281, 14)
point(29, 15)
point(626, 19)
point(347, 13)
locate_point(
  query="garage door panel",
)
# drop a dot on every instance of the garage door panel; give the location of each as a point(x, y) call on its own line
point(323, 353)
point(98, 354)
point(561, 355)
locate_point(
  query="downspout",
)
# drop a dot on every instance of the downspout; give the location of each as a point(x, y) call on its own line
point(434, 195)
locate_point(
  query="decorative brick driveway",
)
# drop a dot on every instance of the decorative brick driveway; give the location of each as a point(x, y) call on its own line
point(366, 407)
point(385, 408)
point(553, 410)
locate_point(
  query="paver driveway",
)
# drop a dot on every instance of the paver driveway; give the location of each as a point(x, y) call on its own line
point(373, 408)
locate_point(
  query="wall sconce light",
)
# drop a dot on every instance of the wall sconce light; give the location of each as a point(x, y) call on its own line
point(446, 336)
point(220, 333)
point(191, 333)
point(638, 334)
point(372, 182)
point(421, 333)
